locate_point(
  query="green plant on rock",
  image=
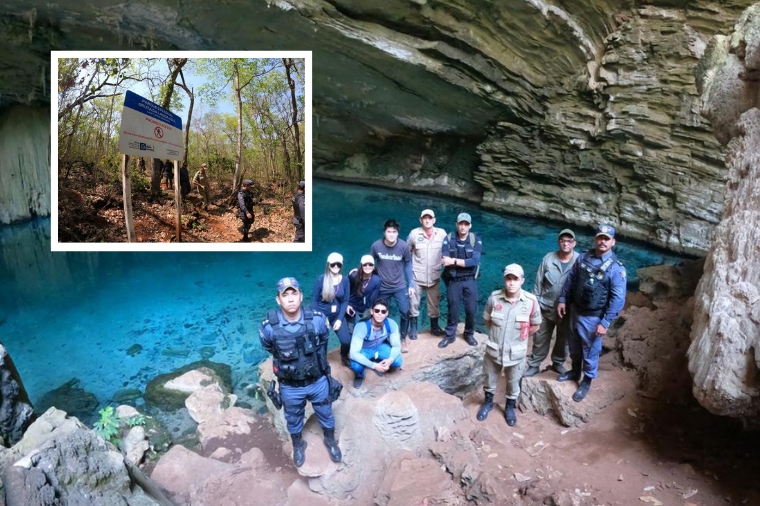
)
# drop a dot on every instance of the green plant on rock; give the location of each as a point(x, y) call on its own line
point(108, 425)
point(136, 420)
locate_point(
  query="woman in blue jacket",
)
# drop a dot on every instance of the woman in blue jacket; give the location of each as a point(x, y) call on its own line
point(330, 296)
point(365, 285)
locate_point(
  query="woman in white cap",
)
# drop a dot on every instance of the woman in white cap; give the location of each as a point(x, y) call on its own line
point(365, 285)
point(330, 296)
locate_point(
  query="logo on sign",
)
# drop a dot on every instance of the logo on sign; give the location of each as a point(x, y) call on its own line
point(159, 133)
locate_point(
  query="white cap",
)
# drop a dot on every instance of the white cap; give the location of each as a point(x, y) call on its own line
point(427, 212)
point(335, 258)
point(515, 270)
point(368, 259)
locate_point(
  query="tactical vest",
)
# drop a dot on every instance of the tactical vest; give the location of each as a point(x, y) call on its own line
point(296, 211)
point(469, 250)
point(592, 289)
point(374, 343)
point(297, 356)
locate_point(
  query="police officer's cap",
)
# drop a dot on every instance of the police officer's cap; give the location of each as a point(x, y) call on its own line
point(302, 185)
point(247, 182)
point(607, 230)
point(464, 217)
point(286, 283)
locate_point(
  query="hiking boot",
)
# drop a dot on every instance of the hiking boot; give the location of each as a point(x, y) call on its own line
point(559, 368)
point(435, 329)
point(413, 328)
point(509, 412)
point(531, 371)
point(404, 346)
point(446, 341)
point(486, 407)
point(471, 340)
point(332, 445)
point(572, 375)
point(245, 238)
point(299, 449)
point(583, 389)
point(358, 382)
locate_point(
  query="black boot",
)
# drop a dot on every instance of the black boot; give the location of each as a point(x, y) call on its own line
point(573, 374)
point(245, 236)
point(435, 329)
point(413, 328)
point(486, 407)
point(582, 391)
point(299, 449)
point(332, 445)
point(446, 341)
point(509, 412)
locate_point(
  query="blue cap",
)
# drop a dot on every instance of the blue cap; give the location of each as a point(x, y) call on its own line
point(286, 283)
point(607, 230)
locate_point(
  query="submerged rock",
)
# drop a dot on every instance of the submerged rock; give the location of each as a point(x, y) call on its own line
point(73, 399)
point(724, 356)
point(159, 395)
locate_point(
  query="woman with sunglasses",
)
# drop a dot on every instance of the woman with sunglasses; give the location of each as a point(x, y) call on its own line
point(365, 285)
point(330, 296)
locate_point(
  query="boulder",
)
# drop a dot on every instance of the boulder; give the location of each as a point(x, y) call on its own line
point(668, 282)
point(231, 424)
point(181, 470)
point(208, 402)
point(724, 355)
point(134, 444)
point(60, 461)
point(191, 381)
point(414, 480)
point(16, 411)
point(170, 399)
point(545, 395)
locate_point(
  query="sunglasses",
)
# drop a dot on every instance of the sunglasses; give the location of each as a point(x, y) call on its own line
point(336, 264)
point(380, 311)
point(368, 265)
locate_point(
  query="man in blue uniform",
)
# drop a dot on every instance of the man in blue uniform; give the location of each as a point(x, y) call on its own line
point(461, 261)
point(297, 339)
point(299, 218)
point(595, 289)
point(245, 201)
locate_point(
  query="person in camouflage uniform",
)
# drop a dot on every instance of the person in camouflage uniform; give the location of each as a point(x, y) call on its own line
point(203, 182)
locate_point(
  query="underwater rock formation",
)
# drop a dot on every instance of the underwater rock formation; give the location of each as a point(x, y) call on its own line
point(724, 356)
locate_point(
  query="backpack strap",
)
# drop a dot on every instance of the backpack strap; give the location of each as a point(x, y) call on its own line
point(274, 320)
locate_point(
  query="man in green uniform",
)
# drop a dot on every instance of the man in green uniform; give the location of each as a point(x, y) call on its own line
point(511, 315)
point(202, 181)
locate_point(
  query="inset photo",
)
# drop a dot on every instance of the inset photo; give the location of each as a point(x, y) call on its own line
point(181, 151)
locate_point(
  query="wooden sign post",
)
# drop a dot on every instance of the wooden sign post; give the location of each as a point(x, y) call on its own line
point(126, 184)
point(178, 200)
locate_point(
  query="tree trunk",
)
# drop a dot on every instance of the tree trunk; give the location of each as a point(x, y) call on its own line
point(235, 177)
point(288, 63)
point(155, 179)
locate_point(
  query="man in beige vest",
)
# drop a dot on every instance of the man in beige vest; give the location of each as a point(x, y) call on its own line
point(425, 244)
point(202, 181)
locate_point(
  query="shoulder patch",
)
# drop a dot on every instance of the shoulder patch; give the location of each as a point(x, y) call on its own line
point(530, 296)
point(622, 273)
point(317, 312)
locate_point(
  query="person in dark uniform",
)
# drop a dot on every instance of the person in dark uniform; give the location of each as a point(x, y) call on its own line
point(297, 340)
point(184, 179)
point(141, 165)
point(299, 218)
point(169, 174)
point(461, 261)
point(245, 199)
point(595, 290)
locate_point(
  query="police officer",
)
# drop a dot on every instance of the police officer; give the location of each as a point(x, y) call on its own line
point(245, 200)
point(202, 181)
point(425, 244)
point(184, 179)
point(551, 276)
point(141, 164)
point(299, 218)
point(461, 261)
point(511, 315)
point(595, 290)
point(168, 174)
point(297, 340)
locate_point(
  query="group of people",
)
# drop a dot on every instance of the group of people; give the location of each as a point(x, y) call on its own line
point(245, 201)
point(200, 180)
point(577, 294)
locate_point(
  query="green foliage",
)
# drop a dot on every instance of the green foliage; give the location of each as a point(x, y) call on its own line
point(136, 420)
point(108, 425)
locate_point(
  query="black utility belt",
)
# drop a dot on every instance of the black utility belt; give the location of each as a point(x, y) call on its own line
point(298, 383)
point(588, 312)
point(463, 278)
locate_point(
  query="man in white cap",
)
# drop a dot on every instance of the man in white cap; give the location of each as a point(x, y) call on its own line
point(425, 244)
point(550, 278)
point(511, 315)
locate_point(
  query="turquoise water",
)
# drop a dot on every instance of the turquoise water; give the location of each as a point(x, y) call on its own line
point(66, 315)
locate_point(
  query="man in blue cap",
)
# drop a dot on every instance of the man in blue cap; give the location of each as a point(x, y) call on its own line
point(299, 218)
point(595, 289)
point(245, 200)
point(297, 339)
point(460, 258)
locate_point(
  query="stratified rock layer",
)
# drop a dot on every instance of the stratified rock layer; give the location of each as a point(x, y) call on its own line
point(724, 356)
point(15, 409)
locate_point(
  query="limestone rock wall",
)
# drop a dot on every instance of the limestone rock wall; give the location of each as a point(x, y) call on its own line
point(724, 356)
